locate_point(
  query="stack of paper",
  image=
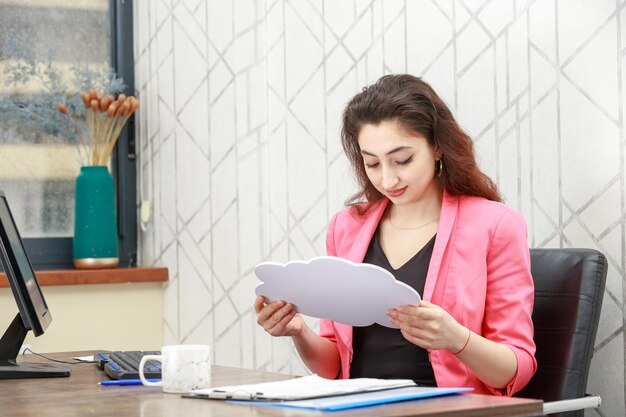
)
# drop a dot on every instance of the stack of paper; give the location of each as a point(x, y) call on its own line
point(365, 399)
point(311, 386)
point(315, 392)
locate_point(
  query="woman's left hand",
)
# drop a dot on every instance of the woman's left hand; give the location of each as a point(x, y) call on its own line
point(429, 326)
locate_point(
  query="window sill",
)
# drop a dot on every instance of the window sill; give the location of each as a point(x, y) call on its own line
point(96, 276)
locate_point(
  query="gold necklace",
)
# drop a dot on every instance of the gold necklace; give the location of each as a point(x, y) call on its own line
point(412, 228)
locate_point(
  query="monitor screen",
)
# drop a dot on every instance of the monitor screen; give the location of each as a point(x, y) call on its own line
point(33, 313)
point(16, 265)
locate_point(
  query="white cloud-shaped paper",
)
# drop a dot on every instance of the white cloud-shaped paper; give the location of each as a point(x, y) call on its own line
point(335, 288)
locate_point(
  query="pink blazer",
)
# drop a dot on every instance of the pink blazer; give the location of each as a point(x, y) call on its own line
point(479, 272)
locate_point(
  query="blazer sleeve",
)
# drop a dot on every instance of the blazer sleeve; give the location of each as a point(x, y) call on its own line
point(510, 298)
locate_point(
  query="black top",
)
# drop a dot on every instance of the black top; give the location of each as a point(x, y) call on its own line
point(381, 352)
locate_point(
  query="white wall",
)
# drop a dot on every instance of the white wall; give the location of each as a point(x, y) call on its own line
point(240, 139)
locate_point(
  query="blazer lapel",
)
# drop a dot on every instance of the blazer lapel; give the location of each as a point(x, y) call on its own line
point(364, 235)
point(449, 208)
point(356, 254)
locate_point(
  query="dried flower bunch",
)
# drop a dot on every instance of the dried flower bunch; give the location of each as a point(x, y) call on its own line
point(106, 117)
point(29, 112)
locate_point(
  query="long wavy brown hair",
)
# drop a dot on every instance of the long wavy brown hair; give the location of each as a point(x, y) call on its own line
point(413, 103)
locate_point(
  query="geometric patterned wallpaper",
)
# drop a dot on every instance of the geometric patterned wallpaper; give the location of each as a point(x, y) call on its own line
point(241, 158)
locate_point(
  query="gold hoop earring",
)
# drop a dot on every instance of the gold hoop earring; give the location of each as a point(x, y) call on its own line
point(439, 167)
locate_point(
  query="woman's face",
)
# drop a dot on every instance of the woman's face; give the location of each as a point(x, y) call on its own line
point(400, 164)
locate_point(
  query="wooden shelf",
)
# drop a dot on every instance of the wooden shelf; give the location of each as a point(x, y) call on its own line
point(96, 276)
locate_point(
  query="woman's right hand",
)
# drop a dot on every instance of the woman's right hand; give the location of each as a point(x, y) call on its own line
point(278, 318)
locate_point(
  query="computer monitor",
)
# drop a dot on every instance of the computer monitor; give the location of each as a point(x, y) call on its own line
point(33, 313)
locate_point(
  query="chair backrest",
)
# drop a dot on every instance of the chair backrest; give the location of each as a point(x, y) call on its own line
point(569, 287)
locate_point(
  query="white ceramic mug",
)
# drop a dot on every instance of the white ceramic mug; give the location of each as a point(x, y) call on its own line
point(183, 368)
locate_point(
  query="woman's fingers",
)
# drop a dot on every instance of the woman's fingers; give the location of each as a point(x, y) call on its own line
point(259, 302)
point(412, 316)
point(276, 317)
point(272, 314)
point(280, 328)
point(416, 339)
point(427, 325)
point(269, 309)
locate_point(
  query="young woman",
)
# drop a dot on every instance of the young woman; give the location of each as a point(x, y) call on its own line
point(426, 213)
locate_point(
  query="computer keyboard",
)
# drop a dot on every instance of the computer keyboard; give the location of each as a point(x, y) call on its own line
point(125, 365)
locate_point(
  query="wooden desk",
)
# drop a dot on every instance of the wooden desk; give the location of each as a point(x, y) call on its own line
point(81, 396)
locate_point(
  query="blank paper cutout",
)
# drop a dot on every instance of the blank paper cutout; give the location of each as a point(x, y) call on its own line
point(336, 289)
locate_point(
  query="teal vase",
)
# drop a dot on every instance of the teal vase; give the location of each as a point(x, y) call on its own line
point(95, 224)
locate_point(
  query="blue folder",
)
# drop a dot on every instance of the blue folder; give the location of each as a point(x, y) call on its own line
point(365, 399)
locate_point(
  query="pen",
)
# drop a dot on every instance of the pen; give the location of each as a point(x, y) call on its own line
point(125, 382)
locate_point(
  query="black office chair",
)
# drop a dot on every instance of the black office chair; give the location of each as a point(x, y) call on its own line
point(569, 287)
